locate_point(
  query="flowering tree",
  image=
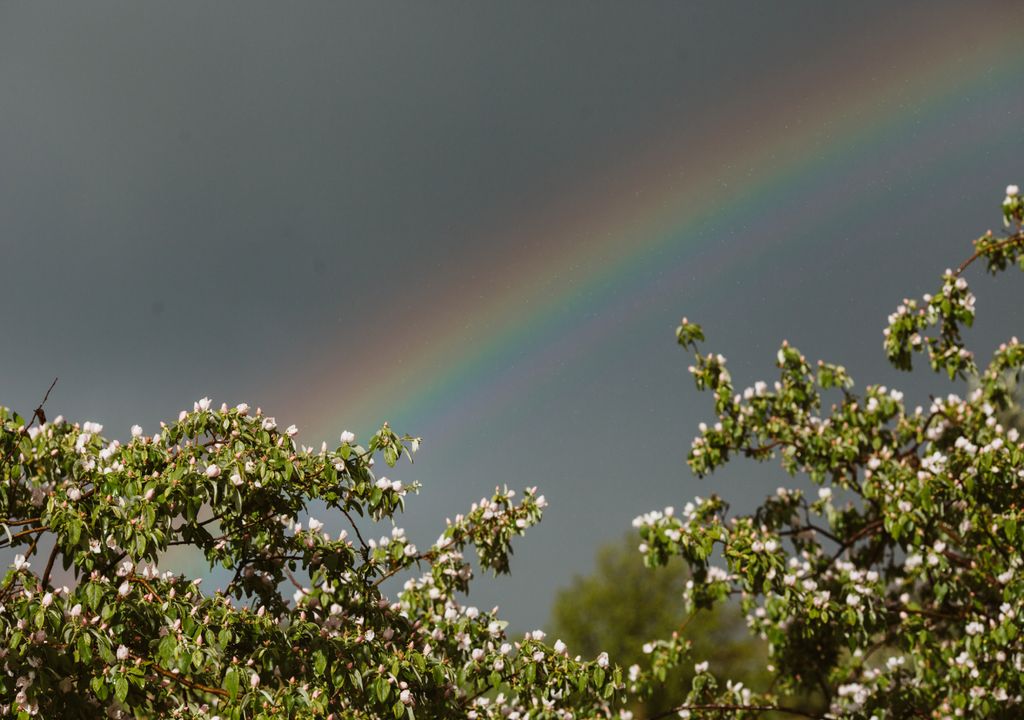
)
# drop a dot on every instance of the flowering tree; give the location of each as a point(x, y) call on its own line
point(304, 628)
point(895, 588)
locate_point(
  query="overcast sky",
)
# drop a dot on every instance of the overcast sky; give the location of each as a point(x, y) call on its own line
point(490, 217)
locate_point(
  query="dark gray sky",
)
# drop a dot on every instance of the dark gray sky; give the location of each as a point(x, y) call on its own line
point(291, 204)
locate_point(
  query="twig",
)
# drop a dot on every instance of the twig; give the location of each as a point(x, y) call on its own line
point(366, 548)
point(27, 521)
point(295, 582)
point(1015, 238)
point(23, 533)
point(38, 412)
point(812, 527)
point(188, 683)
point(49, 563)
point(142, 581)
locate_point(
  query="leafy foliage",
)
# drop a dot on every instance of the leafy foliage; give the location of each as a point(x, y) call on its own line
point(128, 640)
point(896, 589)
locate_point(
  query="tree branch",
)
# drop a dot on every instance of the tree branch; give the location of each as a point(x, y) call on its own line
point(1017, 237)
point(49, 562)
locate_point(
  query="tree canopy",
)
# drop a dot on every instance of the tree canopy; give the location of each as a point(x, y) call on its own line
point(896, 588)
point(302, 629)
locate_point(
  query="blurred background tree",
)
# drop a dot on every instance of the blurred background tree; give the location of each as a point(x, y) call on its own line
point(624, 604)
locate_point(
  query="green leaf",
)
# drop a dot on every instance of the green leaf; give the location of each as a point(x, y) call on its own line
point(121, 688)
point(84, 649)
point(165, 651)
point(231, 682)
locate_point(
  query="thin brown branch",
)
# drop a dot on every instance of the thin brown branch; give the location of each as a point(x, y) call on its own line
point(49, 563)
point(38, 412)
point(1017, 237)
point(149, 588)
point(23, 533)
point(425, 555)
point(859, 535)
point(188, 683)
point(366, 548)
point(296, 583)
point(760, 450)
point(27, 521)
point(812, 527)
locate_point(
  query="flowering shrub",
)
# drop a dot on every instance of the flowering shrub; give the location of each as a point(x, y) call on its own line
point(895, 588)
point(303, 628)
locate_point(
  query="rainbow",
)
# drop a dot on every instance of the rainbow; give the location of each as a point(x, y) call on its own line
point(592, 253)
